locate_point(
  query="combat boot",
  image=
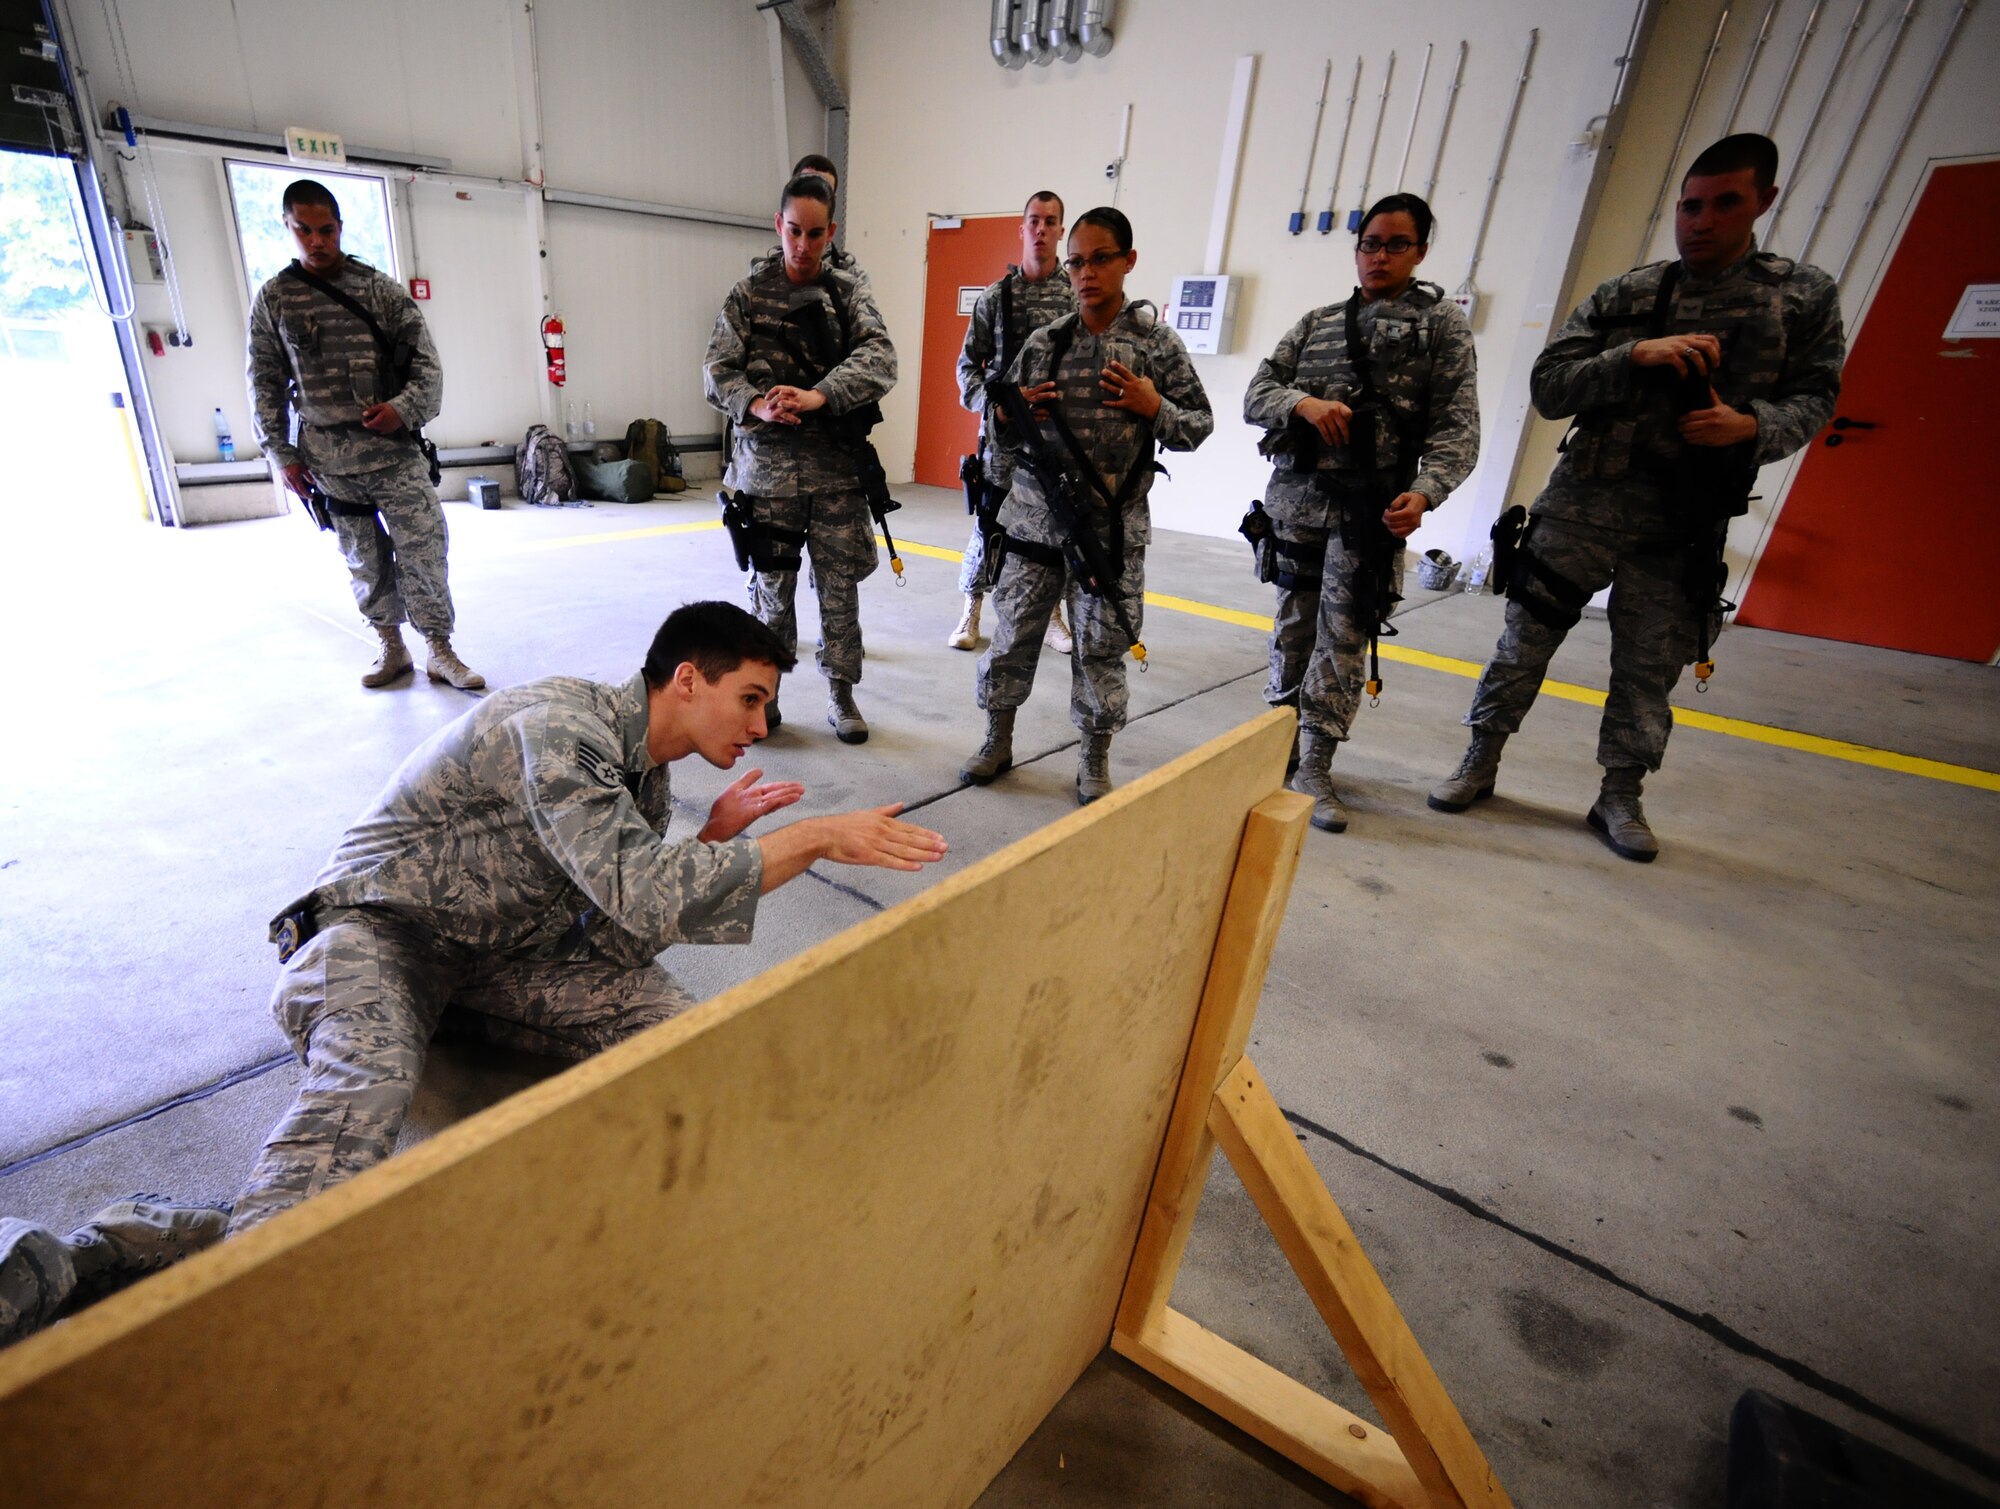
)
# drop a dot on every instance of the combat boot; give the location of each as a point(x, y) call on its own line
point(1474, 778)
point(1057, 636)
point(1316, 781)
point(124, 1242)
point(848, 724)
point(444, 665)
point(1620, 820)
point(966, 635)
point(1093, 769)
point(996, 755)
point(393, 663)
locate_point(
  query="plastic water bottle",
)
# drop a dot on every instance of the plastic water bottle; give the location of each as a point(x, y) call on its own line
point(571, 430)
point(222, 441)
point(1475, 574)
point(589, 422)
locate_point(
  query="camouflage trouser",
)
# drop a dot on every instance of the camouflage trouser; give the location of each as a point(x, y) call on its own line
point(1023, 600)
point(972, 571)
point(1318, 647)
point(360, 1002)
point(396, 556)
point(840, 539)
point(1652, 638)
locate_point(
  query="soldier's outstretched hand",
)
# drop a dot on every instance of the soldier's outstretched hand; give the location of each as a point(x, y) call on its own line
point(743, 802)
point(873, 836)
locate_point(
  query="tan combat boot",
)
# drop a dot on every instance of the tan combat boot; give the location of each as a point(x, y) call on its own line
point(393, 663)
point(1620, 820)
point(848, 725)
point(444, 665)
point(966, 635)
point(1314, 779)
point(1093, 769)
point(1058, 637)
point(996, 756)
point(1473, 781)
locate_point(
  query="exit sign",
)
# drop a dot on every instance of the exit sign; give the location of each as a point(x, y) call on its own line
point(303, 144)
point(420, 288)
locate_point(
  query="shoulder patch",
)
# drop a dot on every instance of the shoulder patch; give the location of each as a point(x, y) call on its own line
point(1771, 267)
point(599, 767)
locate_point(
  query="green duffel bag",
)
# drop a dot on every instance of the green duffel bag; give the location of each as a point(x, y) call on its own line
point(614, 481)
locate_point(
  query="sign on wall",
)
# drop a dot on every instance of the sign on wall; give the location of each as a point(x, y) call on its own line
point(304, 144)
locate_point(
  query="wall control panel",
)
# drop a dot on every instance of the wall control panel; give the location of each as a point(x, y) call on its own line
point(1202, 312)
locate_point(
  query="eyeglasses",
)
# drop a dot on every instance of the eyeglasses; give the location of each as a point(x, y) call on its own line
point(1369, 245)
point(1095, 259)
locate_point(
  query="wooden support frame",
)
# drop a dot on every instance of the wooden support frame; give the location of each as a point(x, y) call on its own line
point(1428, 1459)
point(842, 1236)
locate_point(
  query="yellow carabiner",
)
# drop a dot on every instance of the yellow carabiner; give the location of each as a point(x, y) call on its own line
point(1703, 669)
point(896, 565)
point(1139, 654)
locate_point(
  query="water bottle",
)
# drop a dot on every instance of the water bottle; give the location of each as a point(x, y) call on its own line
point(1475, 574)
point(570, 429)
point(589, 422)
point(222, 441)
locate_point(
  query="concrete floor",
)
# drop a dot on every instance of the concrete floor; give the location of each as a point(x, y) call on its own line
point(1623, 1140)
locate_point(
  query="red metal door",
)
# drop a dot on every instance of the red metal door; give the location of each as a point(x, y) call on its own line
point(1880, 523)
point(965, 257)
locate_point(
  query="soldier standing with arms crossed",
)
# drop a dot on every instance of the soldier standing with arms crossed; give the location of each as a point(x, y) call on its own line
point(313, 356)
point(798, 361)
point(1727, 354)
point(1372, 410)
point(1030, 296)
point(1119, 382)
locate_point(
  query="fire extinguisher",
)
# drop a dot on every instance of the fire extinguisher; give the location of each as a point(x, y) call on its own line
point(552, 345)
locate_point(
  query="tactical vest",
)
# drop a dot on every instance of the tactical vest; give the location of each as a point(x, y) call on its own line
point(1745, 311)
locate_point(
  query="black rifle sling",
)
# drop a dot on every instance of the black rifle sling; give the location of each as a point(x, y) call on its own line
point(383, 349)
point(1379, 595)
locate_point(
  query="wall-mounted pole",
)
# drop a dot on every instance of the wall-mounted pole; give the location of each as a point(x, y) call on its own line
point(1298, 220)
point(1444, 123)
point(1368, 172)
point(1860, 121)
point(1499, 160)
point(1902, 138)
point(1674, 157)
point(1423, 78)
point(1792, 68)
point(1812, 122)
point(1750, 66)
point(1333, 191)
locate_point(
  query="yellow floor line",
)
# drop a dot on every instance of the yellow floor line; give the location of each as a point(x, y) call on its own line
point(1736, 728)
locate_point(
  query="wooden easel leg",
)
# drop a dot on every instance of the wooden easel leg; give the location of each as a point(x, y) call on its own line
point(1431, 1461)
point(1349, 1293)
point(1266, 861)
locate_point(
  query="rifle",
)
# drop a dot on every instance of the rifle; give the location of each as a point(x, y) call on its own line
point(1088, 559)
point(819, 350)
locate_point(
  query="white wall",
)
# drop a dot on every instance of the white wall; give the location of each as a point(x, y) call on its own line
point(639, 100)
point(922, 77)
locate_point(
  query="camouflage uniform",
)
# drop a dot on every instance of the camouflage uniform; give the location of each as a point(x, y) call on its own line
point(1116, 441)
point(314, 362)
point(1420, 352)
point(514, 869)
point(1605, 518)
point(1029, 307)
point(803, 477)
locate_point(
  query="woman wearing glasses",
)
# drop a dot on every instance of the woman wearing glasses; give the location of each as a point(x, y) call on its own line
point(1107, 384)
point(1371, 417)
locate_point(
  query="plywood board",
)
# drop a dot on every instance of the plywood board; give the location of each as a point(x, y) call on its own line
point(842, 1236)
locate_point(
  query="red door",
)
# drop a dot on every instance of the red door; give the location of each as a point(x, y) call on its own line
point(961, 261)
point(1879, 520)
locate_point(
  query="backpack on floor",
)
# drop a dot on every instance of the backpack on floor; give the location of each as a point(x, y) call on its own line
point(647, 440)
point(542, 464)
point(616, 481)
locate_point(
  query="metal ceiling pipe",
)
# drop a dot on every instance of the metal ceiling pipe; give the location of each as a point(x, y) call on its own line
point(1001, 35)
point(1093, 31)
point(1028, 29)
point(1060, 30)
